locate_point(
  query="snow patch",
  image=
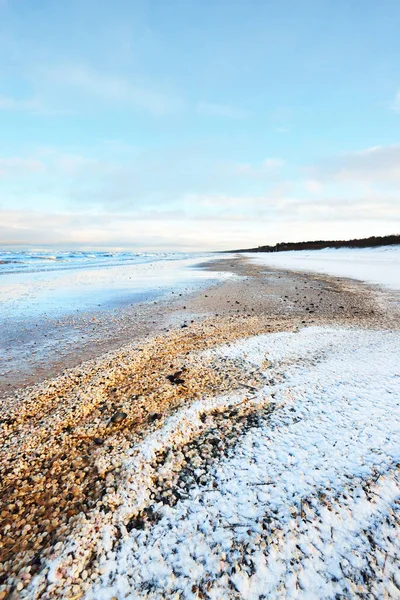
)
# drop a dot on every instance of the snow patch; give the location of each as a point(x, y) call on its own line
point(379, 266)
point(305, 505)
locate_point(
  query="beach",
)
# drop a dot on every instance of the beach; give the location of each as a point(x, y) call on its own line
point(234, 435)
point(60, 309)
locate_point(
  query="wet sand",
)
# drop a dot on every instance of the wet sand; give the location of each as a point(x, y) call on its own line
point(36, 350)
point(55, 320)
point(64, 439)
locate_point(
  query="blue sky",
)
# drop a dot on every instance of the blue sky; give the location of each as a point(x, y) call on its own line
point(198, 124)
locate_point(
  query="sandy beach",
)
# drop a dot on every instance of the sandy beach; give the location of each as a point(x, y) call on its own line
point(216, 451)
point(54, 316)
point(199, 300)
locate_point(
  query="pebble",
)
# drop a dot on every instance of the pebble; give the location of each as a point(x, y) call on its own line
point(118, 417)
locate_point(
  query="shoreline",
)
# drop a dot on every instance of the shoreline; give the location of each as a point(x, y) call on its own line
point(65, 439)
point(46, 350)
point(38, 346)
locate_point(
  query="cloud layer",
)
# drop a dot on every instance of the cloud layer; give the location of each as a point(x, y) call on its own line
point(127, 198)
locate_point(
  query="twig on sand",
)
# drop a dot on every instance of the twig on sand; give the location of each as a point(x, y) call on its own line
point(384, 563)
point(377, 477)
point(259, 483)
point(246, 385)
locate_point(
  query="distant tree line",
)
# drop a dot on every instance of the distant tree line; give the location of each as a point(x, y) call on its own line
point(371, 242)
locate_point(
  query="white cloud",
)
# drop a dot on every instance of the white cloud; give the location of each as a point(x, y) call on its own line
point(343, 209)
point(170, 232)
point(73, 164)
point(396, 103)
point(313, 186)
point(119, 230)
point(269, 166)
point(34, 105)
point(112, 89)
point(220, 110)
point(273, 163)
point(281, 119)
point(123, 203)
point(17, 166)
point(56, 163)
point(379, 164)
point(29, 104)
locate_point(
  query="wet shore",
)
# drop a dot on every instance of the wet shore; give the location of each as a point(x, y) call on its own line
point(53, 320)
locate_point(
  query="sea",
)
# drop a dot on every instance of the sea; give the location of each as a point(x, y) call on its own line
point(54, 304)
point(25, 261)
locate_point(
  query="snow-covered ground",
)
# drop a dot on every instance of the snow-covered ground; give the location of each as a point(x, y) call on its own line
point(307, 504)
point(374, 265)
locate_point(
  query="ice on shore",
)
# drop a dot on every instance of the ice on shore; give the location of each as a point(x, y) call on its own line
point(373, 265)
point(305, 506)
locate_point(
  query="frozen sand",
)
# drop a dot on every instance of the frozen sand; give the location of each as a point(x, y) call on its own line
point(305, 507)
point(379, 266)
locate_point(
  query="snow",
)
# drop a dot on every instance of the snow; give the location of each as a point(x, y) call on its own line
point(379, 266)
point(305, 506)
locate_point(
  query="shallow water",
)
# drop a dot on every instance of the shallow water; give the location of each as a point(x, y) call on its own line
point(51, 307)
point(22, 261)
point(33, 289)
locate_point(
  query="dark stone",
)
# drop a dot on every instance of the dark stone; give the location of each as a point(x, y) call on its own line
point(98, 441)
point(118, 417)
point(154, 417)
point(135, 523)
point(151, 514)
point(175, 378)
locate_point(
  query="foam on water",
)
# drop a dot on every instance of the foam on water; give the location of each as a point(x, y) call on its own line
point(23, 261)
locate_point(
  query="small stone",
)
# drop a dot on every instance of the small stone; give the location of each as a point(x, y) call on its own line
point(98, 441)
point(175, 378)
point(154, 417)
point(118, 417)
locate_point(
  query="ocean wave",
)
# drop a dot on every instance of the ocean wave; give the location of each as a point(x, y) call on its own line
point(26, 261)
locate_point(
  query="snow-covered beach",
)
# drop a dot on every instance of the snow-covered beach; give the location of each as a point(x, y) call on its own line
point(252, 454)
point(379, 265)
point(307, 504)
point(199, 300)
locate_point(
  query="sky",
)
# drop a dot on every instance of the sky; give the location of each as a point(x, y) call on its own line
point(198, 125)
